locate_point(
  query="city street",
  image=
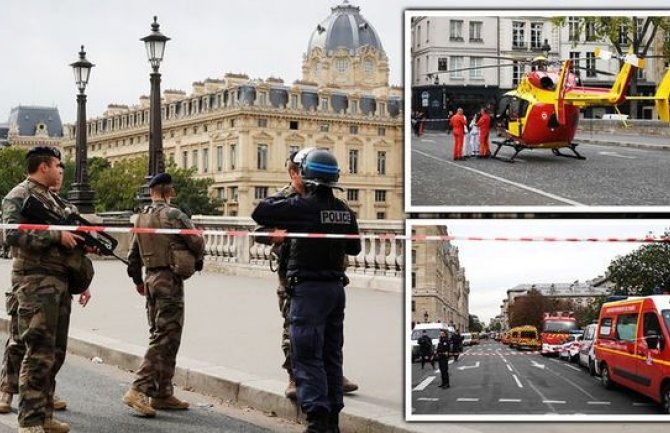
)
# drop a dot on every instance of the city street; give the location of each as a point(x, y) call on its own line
point(611, 175)
point(491, 378)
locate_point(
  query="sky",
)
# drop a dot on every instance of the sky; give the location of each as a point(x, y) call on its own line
point(494, 267)
point(261, 38)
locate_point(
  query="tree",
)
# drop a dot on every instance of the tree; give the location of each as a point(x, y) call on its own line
point(116, 186)
point(474, 325)
point(621, 32)
point(193, 194)
point(528, 309)
point(12, 161)
point(642, 271)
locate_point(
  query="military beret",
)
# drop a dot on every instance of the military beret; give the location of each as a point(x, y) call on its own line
point(43, 151)
point(160, 179)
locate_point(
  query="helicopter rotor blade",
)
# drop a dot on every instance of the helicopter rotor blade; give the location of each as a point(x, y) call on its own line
point(598, 71)
point(448, 71)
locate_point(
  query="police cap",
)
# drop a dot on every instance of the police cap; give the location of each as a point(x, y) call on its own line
point(160, 179)
point(44, 151)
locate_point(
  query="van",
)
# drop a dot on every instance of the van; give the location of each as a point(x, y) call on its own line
point(513, 337)
point(467, 338)
point(587, 355)
point(632, 346)
point(475, 338)
point(527, 338)
point(432, 330)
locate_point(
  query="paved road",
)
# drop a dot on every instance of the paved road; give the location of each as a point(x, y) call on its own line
point(491, 378)
point(93, 392)
point(610, 176)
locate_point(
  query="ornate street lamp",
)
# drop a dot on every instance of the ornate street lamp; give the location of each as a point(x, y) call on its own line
point(155, 46)
point(81, 193)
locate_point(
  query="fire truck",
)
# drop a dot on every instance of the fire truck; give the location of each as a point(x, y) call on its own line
point(556, 327)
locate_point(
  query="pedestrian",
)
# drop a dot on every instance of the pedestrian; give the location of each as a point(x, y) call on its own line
point(458, 126)
point(14, 347)
point(41, 263)
point(169, 259)
point(422, 122)
point(473, 137)
point(282, 250)
point(443, 358)
point(426, 350)
point(484, 124)
point(316, 283)
point(455, 341)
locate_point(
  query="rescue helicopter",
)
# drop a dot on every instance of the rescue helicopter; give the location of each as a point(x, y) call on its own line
point(543, 111)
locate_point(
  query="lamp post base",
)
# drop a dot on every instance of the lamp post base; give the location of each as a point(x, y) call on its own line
point(82, 196)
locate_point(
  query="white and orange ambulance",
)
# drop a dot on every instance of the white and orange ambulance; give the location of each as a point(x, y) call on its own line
point(632, 346)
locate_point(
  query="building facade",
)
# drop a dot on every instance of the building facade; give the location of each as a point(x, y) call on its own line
point(240, 131)
point(440, 290)
point(31, 125)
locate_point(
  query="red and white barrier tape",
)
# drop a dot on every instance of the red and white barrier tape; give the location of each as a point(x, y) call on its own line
point(380, 236)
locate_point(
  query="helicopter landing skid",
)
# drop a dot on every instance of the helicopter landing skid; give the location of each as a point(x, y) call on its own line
point(573, 148)
point(518, 147)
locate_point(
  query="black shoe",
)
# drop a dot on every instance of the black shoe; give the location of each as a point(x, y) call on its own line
point(334, 423)
point(317, 422)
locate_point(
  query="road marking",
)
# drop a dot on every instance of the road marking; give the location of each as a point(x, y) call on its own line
point(509, 368)
point(573, 367)
point(518, 382)
point(616, 155)
point(501, 179)
point(538, 365)
point(509, 400)
point(643, 404)
point(427, 399)
point(553, 401)
point(428, 140)
point(467, 399)
point(468, 367)
point(600, 403)
point(424, 384)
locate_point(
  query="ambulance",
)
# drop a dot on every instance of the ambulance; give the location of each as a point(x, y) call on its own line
point(632, 346)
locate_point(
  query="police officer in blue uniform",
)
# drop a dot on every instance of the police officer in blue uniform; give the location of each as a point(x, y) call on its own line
point(316, 281)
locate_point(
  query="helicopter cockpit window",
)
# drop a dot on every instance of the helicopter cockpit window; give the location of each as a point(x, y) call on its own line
point(518, 108)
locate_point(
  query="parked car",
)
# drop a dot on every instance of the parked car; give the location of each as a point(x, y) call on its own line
point(587, 355)
point(467, 339)
point(570, 349)
point(432, 330)
point(632, 346)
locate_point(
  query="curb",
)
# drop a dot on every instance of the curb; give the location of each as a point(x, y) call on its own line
point(233, 385)
point(635, 145)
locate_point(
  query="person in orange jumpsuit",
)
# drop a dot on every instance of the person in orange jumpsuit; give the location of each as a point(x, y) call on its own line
point(484, 124)
point(458, 124)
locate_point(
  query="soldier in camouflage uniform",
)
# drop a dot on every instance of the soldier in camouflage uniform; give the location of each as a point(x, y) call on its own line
point(39, 281)
point(164, 291)
point(14, 347)
point(281, 250)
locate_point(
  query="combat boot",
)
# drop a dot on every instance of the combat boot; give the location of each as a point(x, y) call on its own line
point(52, 425)
point(32, 429)
point(6, 402)
point(348, 386)
point(334, 422)
point(317, 423)
point(59, 404)
point(169, 403)
point(291, 391)
point(140, 402)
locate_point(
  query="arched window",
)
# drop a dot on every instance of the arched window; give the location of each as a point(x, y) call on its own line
point(341, 65)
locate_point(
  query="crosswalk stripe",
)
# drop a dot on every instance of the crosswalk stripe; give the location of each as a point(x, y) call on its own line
point(509, 400)
point(598, 402)
point(468, 399)
point(553, 401)
point(427, 399)
point(424, 384)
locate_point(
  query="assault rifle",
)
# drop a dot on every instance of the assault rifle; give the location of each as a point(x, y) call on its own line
point(37, 212)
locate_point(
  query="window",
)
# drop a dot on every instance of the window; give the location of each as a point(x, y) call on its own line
point(381, 163)
point(651, 325)
point(233, 156)
point(262, 157)
point(475, 31)
point(590, 31)
point(418, 69)
point(574, 56)
point(262, 99)
point(381, 131)
point(381, 215)
point(324, 127)
point(194, 159)
point(590, 64)
point(418, 36)
point(294, 102)
point(352, 195)
point(455, 30)
point(221, 193)
point(219, 158)
point(205, 160)
point(536, 35)
point(456, 65)
point(413, 257)
point(368, 67)
point(324, 104)
point(441, 63)
point(573, 29)
point(293, 124)
point(232, 123)
point(626, 327)
point(476, 64)
point(413, 280)
point(518, 36)
point(605, 328)
point(262, 123)
point(341, 65)
point(380, 195)
point(427, 31)
point(233, 193)
point(260, 192)
point(517, 73)
point(184, 159)
point(623, 34)
point(353, 129)
point(353, 161)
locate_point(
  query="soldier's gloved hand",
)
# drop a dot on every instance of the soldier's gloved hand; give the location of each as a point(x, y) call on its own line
point(199, 264)
point(140, 288)
point(69, 240)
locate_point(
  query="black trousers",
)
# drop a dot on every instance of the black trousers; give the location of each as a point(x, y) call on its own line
point(427, 358)
point(443, 362)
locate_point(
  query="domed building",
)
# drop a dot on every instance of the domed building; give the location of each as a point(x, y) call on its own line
point(239, 131)
point(345, 51)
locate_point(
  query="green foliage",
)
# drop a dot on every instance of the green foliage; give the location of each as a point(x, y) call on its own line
point(474, 325)
point(12, 161)
point(116, 186)
point(642, 271)
point(68, 177)
point(192, 194)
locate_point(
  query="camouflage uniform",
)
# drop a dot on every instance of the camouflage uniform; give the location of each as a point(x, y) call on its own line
point(42, 302)
point(164, 291)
